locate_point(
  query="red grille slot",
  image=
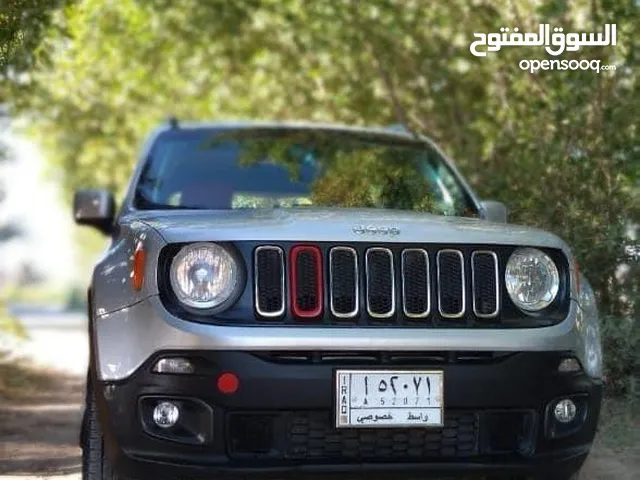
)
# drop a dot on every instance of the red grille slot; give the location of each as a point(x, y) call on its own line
point(306, 281)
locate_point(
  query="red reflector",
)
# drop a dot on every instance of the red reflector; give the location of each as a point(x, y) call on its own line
point(228, 383)
point(137, 274)
point(306, 281)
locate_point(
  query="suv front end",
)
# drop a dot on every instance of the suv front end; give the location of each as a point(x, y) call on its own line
point(351, 342)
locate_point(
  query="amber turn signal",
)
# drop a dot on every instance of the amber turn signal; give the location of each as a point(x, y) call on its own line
point(139, 260)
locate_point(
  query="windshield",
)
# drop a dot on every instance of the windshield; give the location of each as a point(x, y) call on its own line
point(278, 168)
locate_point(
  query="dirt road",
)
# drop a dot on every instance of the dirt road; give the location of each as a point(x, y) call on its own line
point(40, 416)
point(41, 413)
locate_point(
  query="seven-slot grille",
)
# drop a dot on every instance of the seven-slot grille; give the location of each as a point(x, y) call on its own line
point(377, 283)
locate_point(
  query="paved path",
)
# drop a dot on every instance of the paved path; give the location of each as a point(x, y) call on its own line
point(39, 435)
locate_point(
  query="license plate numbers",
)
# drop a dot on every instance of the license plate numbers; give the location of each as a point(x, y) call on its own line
point(389, 398)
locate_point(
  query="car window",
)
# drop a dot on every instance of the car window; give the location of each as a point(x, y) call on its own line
point(281, 168)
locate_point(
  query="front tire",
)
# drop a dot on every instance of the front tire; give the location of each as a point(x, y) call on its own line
point(95, 466)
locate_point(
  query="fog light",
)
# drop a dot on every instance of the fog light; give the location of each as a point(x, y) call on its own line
point(166, 414)
point(174, 365)
point(569, 365)
point(565, 411)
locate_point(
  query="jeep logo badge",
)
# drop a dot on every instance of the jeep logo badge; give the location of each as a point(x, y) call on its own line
point(376, 230)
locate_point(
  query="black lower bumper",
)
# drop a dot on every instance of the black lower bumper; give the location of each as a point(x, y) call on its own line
point(498, 418)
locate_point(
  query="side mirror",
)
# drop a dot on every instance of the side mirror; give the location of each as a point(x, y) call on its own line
point(95, 208)
point(494, 211)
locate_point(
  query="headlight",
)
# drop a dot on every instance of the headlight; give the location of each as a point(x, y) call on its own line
point(204, 275)
point(532, 279)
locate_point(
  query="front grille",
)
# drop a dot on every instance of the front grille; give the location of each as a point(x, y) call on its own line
point(381, 292)
point(393, 285)
point(343, 282)
point(484, 272)
point(390, 358)
point(451, 284)
point(269, 281)
point(416, 289)
point(311, 436)
point(306, 281)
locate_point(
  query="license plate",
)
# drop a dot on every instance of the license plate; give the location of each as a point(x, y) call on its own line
point(389, 398)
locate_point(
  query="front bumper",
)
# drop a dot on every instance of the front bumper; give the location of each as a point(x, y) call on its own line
point(280, 420)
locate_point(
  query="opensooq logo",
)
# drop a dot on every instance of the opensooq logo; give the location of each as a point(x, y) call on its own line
point(555, 43)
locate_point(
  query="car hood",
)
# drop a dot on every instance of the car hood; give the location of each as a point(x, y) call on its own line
point(337, 225)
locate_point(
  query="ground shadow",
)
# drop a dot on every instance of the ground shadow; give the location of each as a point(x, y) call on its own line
point(40, 416)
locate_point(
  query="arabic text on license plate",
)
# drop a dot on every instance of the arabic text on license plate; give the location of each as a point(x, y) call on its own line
point(389, 398)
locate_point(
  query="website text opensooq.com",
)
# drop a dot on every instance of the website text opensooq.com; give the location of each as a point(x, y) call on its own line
point(535, 65)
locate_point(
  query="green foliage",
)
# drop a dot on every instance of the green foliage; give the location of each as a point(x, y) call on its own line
point(618, 430)
point(36, 295)
point(355, 173)
point(621, 342)
point(559, 147)
point(23, 23)
point(9, 325)
point(76, 300)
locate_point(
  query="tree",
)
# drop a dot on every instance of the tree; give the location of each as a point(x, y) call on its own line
point(22, 26)
point(559, 147)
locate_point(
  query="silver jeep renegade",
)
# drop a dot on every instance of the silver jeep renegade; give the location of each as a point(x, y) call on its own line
point(293, 300)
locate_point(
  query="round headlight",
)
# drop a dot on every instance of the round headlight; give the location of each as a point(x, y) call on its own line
point(204, 275)
point(532, 279)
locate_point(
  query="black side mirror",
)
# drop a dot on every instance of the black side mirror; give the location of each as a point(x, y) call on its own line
point(95, 208)
point(494, 211)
